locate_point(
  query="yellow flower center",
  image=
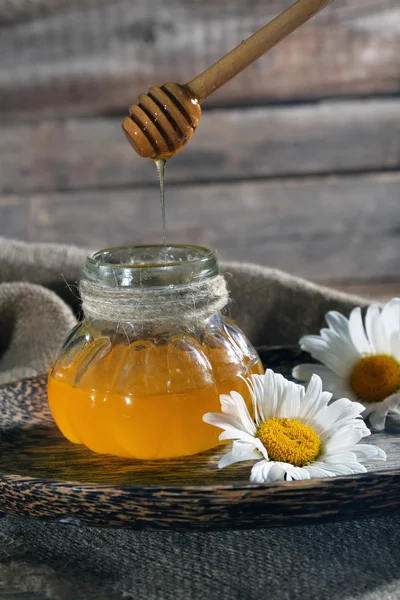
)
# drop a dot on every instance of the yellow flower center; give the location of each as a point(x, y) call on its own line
point(374, 378)
point(289, 441)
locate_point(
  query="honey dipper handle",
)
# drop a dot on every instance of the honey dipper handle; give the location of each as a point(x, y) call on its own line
point(255, 46)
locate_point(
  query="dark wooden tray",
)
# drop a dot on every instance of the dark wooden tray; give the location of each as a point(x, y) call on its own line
point(44, 476)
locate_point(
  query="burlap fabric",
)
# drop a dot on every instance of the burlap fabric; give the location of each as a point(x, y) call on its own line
point(38, 299)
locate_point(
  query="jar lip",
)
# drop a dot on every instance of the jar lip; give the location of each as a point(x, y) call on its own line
point(145, 265)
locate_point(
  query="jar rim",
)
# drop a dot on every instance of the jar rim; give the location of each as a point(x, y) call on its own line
point(150, 265)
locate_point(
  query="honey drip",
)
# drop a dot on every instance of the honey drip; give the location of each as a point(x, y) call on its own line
point(160, 164)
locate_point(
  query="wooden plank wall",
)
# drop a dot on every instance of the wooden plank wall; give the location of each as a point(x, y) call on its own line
point(86, 56)
point(296, 163)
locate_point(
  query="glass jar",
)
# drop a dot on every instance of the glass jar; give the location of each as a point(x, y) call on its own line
point(151, 356)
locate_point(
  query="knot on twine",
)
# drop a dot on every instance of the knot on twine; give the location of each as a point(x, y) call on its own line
point(190, 302)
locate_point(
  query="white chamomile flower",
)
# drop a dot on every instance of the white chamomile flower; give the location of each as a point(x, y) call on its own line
point(361, 361)
point(294, 431)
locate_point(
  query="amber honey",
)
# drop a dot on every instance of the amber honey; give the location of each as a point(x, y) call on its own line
point(146, 400)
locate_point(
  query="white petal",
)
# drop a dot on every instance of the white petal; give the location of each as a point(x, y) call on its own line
point(392, 402)
point(269, 398)
point(259, 471)
point(377, 420)
point(314, 390)
point(377, 411)
point(226, 460)
point(357, 332)
point(319, 349)
point(394, 342)
point(290, 404)
point(313, 395)
point(296, 473)
point(276, 472)
point(232, 430)
point(390, 317)
point(368, 452)
point(241, 451)
point(343, 438)
point(340, 346)
point(337, 413)
point(309, 412)
point(338, 323)
point(354, 468)
point(314, 401)
point(274, 388)
point(358, 424)
point(376, 331)
point(222, 421)
point(345, 468)
point(237, 434)
point(233, 404)
point(318, 471)
point(370, 316)
point(340, 457)
point(257, 394)
point(267, 471)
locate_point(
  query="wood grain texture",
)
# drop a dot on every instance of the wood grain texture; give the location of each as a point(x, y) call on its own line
point(343, 228)
point(254, 47)
point(84, 58)
point(327, 137)
point(42, 475)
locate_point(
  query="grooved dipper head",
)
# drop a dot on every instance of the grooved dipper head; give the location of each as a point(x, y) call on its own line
point(162, 121)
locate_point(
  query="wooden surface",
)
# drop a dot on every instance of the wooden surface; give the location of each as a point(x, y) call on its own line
point(43, 475)
point(312, 189)
point(330, 228)
point(61, 57)
point(330, 137)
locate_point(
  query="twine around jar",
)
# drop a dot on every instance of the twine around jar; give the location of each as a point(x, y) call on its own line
point(193, 302)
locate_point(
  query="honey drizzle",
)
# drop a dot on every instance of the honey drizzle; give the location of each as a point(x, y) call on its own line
point(160, 164)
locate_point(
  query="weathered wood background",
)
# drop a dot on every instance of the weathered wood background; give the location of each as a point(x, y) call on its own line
point(296, 163)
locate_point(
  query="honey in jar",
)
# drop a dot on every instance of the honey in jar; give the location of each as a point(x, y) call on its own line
point(151, 356)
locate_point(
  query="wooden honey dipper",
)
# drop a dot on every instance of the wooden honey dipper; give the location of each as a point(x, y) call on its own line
point(165, 119)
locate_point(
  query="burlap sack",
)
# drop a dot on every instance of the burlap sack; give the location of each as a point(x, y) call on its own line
point(38, 299)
